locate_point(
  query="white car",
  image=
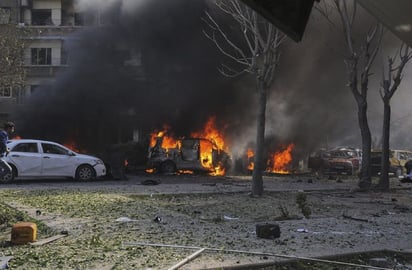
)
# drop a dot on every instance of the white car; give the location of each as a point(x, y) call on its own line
point(44, 159)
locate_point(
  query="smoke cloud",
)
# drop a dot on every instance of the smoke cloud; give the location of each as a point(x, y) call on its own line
point(152, 65)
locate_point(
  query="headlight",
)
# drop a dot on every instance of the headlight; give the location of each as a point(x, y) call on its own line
point(98, 161)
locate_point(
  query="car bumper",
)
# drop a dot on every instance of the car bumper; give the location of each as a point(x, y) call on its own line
point(100, 170)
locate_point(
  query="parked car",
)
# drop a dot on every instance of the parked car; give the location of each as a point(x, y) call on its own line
point(339, 160)
point(403, 156)
point(397, 160)
point(37, 159)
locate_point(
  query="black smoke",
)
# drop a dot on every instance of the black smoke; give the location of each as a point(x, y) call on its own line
point(99, 101)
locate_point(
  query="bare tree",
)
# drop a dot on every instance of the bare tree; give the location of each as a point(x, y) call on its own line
point(12, 72)
point(389, 85)
point(255, 51)
point(359, 60)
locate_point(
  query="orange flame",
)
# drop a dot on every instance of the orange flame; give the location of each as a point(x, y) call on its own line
point(250, 154)
point(279, 161)
point(71, 144)
point(167, 141)
point(211, 133)
point(17, 137)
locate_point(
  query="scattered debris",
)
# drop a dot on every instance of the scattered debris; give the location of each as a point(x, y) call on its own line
point(150, 182)
point(268, 230)
point(187, 259)
point(354, 218)
point(48, 240)
point(4, 262)
point(125, 219)
point(23, 233)
point(158, 219)
point(229, 218)
point(293, 257)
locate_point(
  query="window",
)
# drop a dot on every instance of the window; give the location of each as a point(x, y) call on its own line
point(26, 147)
point(41, 56)
point(5, 15)
point(41, 17)
point(54, 149)
point(5, 91)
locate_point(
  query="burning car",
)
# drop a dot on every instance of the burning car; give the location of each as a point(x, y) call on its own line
point(189, 154)
point(340, 160)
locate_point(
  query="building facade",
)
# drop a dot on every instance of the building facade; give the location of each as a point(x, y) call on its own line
point(47, 23)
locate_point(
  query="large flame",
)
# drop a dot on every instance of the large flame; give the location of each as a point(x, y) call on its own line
point(250, 155)
point(166, 140)
point(211, 133)
point(280, 160)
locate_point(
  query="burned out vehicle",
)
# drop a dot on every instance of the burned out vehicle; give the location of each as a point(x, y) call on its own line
point(340, 160)
point(397, 161)
point(190, 154)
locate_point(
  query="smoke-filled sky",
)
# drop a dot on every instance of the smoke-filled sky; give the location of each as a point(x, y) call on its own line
point(97, 101)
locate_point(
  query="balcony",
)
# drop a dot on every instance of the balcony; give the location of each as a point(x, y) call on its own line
point(44, 71)
point(49, 32)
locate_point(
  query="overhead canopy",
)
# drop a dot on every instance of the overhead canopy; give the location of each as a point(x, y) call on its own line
point(396, 15)
point(289, 16)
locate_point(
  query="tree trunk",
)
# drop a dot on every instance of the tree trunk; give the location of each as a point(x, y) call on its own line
point(257, 181)
point(365, 177)
point(384, 178)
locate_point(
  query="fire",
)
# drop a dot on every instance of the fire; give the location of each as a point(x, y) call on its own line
point(211, 140)
point(17, 137)
point(161, 137)
point(250, 154)
point(211, 133)
point(279, 161)
point(72, 145)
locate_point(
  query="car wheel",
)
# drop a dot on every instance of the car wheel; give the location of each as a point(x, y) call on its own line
point(168, 167)
point(85, 172)
point(8, 177)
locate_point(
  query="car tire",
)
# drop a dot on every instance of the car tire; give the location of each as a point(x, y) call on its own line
point(85, 172)
point(168, 167)
point(8, 177)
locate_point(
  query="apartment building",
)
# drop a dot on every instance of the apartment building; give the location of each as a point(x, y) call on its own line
point(48, 24)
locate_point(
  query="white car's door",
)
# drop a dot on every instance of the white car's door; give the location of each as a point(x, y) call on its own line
point(57, 161)
point(27, 159)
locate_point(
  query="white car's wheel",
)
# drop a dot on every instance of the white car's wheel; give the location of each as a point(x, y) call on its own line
point(8, 177)
point(85, 172)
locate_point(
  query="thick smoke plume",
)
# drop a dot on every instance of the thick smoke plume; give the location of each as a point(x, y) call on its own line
point(104, 95)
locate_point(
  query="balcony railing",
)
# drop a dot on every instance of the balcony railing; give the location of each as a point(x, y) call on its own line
point(44, 71)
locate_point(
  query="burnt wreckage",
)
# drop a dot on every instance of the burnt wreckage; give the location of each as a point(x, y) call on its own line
point(190, 154)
